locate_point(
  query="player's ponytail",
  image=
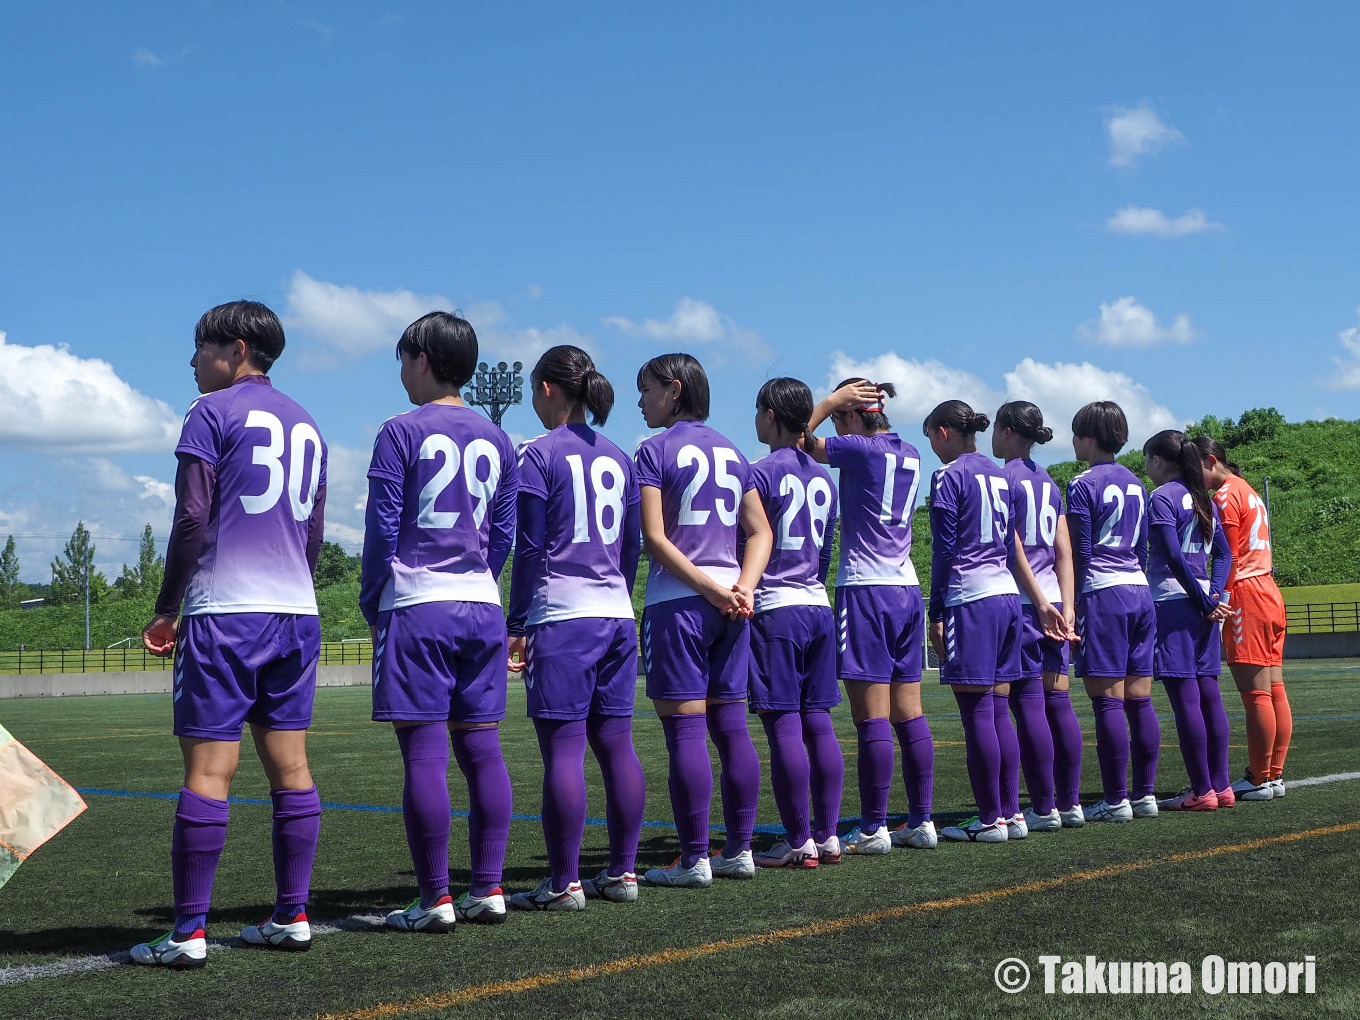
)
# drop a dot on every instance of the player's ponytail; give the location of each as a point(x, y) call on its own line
point(1174, 448)
point(573, 370)
point(1213, 448)
point(875, 418)
point(791, 402)
point(1024, 419)
point(956, 416)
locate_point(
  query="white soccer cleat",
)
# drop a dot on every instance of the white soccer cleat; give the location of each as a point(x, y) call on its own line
point(1104, 811)
point(1073, 818)
point(829, 850)
point(295, 937)
point(488, 909)
point(1016, 826)
point(922, 837)
point(617, 889)
point(741, 866)
point(435, 919)
point(1145, 807)
point(1036, 822)
point(1277, 788)
point(166, 952)
point(1247, 788)
point(877, 842)
point(783, 855)
point(545, 897)
point(975, 831)
point(700, 876)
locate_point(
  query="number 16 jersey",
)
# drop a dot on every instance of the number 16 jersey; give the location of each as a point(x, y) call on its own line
point(269, 462)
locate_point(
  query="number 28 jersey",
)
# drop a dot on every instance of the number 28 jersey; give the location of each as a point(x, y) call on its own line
point(458, 482)
point(702, 479)
point(800, 503)
point(270, 462)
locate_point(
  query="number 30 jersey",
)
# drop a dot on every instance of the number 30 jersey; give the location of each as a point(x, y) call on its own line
point(702, 479)
point(269, 461)
point(1036, 505)
point(587, 485)
point(442, 487)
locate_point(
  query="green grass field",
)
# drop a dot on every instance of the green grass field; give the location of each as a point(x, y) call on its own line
point(1320, 593)
point(916, 933)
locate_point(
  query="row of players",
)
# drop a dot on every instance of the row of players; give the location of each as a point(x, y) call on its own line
point(736, 614)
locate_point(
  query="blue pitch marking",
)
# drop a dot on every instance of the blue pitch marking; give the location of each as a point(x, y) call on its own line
point(769, 830)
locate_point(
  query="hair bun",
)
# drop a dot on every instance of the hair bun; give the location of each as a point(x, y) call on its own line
point(979, 422)
point(1043, 434)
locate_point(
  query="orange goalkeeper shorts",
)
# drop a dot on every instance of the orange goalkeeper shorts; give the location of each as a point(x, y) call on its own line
point(1254, 634)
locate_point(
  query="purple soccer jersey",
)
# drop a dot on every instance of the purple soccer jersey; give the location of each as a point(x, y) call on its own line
point(441, 512)
point(1035, 505)
point(1107, 512)
point(970, 531)
point(269, 462)
point(702, 479)
point(1171, 504)
point(587, 485)
point(800, 502)
point(880, 476)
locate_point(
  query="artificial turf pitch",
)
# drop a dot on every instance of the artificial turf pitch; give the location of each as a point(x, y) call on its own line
point(917, 933)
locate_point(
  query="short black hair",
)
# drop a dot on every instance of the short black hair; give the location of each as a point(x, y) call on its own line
point(790, 400)
point(685, 369)
point(448, 340)
point(1103, 421)
point(248, 321)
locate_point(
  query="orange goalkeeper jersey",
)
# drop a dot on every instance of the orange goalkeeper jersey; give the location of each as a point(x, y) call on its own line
point(1246, 526)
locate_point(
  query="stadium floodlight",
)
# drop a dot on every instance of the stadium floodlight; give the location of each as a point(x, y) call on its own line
point(494, 390)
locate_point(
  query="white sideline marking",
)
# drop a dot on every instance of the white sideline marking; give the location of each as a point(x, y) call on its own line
point(23, 973)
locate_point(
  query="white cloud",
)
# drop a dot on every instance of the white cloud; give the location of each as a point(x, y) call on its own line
point(693, 322)
point(1133, 219)
point(1059, 389)
point(1125, 323)
point(143, 57)
point(1347, 374)
point(346, 494)
point(1137, 132)
point(51, 399)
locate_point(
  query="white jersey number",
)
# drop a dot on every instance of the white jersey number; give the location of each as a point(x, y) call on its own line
point(271, 455)
point(910, 465)
point(1041, 517)
point(1113, 494)
point(816, 497)
point(995, 503)
point(480, 489)
point(1262, 522)
point(1190, 537)
point(722, 457)
point(607, 480)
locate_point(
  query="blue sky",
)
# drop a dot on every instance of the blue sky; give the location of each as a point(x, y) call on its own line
point(1066, 205)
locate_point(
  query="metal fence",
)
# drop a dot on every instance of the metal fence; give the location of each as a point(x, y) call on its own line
point(1323, 617)
point(119, 660)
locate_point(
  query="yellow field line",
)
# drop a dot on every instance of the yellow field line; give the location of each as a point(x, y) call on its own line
point(499, 989)
point(160, 733)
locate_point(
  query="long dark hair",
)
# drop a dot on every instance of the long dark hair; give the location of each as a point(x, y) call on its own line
point(573, 370)
point(956, 416)
point(791, 402)
point(874, 421)
point(1024, 419)
point(1213, 448)
point(1174, 447)
point(686, 370)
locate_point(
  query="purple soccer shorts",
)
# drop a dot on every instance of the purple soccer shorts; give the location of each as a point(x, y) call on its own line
point(982, 641)
point(793, 659)
point(690, 652)
point(578, 668)
point(1187, 645)
point(1118, 628)
point(436, 661)
point(881, 631)
point(1038, 654)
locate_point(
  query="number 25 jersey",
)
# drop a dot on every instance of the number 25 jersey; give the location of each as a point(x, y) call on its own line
point(269, 462)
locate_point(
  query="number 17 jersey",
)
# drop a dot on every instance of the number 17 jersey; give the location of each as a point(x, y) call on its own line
point(880, 477)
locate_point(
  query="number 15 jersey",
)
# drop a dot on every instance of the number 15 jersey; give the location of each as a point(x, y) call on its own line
point(269, 462)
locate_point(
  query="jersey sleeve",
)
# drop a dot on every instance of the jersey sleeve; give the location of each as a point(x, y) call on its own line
point(533, 470)
point(648, 460)
point(1160, 510)
point(846, 451)
point(203, 432)
point(390, 455)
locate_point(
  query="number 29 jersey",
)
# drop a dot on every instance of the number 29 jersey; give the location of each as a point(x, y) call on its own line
point(269, 461)
point(458, 481)
point(702, 479)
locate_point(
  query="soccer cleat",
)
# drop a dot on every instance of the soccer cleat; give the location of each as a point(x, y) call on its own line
point(741, 866)
point(617, 889)
point(1187, 801)
point(782, 855)
point(1247, 788)
point(1277, 788)
point(294, 937)
point(877, 842)
point(544, 897)
point(1073, 818)
point(1036, 822)
point(700, 876)
point(438, 918)
point(1104, 811)
point(1145, 807)
point(1016, 826)
point(829, 852)
point(488, 909)
point(1226, 797)
point(922, 837)
point(166, 952)
point(974, 831)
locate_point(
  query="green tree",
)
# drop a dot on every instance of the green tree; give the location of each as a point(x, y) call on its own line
point(10, 588)
point(145, 578)
point(76, 562)
point(335, 566)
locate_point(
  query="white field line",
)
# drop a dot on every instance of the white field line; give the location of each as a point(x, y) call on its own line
point(22, 973)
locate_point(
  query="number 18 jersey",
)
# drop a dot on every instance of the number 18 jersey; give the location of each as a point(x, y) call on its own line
point(270, 462)
point(702, 479)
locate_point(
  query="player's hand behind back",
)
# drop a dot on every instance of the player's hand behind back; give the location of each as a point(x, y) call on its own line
point(158, 636)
